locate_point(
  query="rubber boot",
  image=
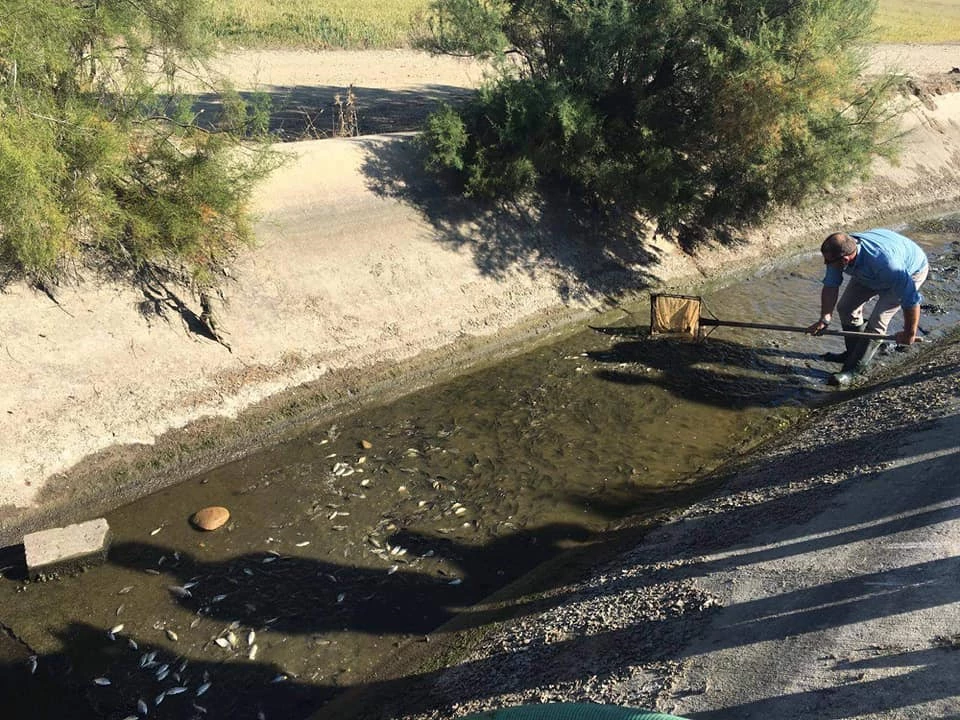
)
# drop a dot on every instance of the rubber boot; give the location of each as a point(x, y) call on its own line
point(851, 342)
point(857, 363)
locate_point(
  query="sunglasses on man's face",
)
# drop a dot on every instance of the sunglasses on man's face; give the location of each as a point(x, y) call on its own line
point(831, 261)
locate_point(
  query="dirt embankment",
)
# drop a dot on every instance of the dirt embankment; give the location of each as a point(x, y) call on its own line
point(363, 282)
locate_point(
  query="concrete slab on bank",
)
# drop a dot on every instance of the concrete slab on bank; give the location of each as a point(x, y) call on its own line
point(66, 548)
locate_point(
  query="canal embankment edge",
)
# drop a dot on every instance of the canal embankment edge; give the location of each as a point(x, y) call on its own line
point(360, 289)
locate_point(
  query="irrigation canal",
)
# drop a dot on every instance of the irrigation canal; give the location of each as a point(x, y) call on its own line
point(370, 532)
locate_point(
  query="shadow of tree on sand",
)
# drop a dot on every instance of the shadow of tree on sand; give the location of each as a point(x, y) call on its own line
point(556, 236)
point(301, 112)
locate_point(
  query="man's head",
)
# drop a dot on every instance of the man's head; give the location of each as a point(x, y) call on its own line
point(839, 248)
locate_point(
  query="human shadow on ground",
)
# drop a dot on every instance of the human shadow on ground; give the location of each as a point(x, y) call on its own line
point(301, 595)
point(932, 684)
point(658, 633)
point(662, 633)
point(131, 670)
point(39, 687)
point(621, 654)
point(916, 500)
point(238, 689)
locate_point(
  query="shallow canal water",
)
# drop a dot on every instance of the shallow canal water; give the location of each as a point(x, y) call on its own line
point(373, 530)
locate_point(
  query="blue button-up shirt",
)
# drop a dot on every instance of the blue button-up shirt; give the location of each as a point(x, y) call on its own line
point(885, 262)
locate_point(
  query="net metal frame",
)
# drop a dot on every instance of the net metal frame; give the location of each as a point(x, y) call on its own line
point(677, 315)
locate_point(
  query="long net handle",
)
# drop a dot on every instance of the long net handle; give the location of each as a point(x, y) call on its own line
point(794, 328)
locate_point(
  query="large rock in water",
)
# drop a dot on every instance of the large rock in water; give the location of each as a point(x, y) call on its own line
point(210, 518)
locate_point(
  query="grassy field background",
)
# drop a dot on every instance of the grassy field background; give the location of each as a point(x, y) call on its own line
point(356, 24)
point(922, 21)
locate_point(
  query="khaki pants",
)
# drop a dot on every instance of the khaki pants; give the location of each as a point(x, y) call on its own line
point(856, 295)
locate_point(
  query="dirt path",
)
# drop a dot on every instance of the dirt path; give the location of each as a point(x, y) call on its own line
point(395, 89)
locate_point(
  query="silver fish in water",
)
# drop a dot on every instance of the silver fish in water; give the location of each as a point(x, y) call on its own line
point(179, 592)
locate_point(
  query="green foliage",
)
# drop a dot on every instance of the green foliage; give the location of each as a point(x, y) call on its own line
point(444, 138)
point(101, 158)
point(694, 114)
point(349, 24)
point(474, 25)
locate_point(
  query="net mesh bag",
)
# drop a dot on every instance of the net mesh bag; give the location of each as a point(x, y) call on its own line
point(675, 314)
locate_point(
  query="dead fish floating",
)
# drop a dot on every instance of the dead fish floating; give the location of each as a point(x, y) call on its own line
point(179, 592)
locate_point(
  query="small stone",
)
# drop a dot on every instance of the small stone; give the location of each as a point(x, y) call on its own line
point(210, 518)
point(366, 444)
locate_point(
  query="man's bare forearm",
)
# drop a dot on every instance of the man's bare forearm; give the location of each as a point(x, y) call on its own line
point(828, 301)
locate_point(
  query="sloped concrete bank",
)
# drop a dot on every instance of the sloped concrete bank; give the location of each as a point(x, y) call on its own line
point(365, 283)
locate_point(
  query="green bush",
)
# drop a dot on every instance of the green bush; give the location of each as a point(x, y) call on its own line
point(101, 158)
point(692, 114)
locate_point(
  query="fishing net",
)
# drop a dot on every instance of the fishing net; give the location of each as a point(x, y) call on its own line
point(675, 315)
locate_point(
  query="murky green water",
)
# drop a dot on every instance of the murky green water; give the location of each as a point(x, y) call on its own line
point(372, 530)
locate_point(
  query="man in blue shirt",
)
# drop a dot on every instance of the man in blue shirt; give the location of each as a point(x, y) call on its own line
point(881, 264)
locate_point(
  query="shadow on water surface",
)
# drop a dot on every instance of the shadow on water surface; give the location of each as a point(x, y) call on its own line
point(301, 595)
point(662, 634)
point(62, 686)
point(715, 372)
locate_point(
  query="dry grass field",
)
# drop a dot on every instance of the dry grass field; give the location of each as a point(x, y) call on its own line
point(316, 24)
point(921, 21)
point(367, 24)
